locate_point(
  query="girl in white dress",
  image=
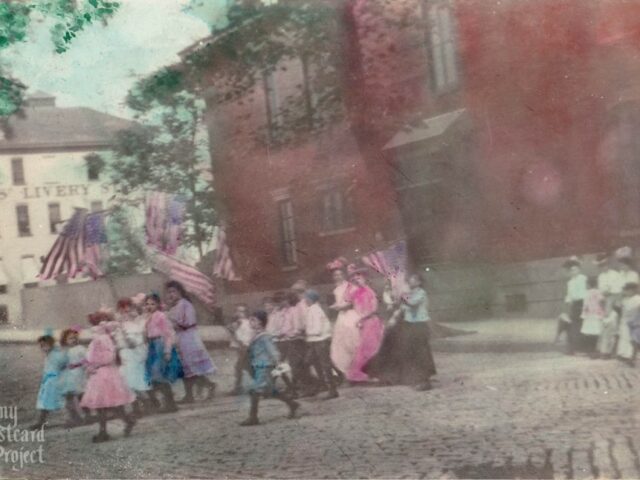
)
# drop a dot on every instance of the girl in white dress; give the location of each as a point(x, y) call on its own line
point(132, 349)
point(73, 377)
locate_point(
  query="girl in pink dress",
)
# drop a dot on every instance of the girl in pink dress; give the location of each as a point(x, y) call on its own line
point(346, 334)
point(105, 389)
point(365, 303)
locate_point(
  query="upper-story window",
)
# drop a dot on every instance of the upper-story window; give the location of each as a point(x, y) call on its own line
point(94, 167)
point(288, 98)
point(442, 44)
point(272, 102)
point(288, 244)
point(54, 217)
point(22, 214)
point(337, 210)
point(17, 171)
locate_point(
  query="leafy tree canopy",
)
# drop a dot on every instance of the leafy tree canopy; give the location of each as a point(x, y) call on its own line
point(69, 18)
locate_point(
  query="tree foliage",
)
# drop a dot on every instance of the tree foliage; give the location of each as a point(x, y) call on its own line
point(127, 253)
point(68, 17)
point(167, 152)
point(259, 40)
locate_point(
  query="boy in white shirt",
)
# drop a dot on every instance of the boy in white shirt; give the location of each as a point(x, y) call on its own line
point(318, 337)
point(243, 334)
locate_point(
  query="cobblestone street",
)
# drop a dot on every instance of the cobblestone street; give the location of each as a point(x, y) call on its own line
point(499, 410)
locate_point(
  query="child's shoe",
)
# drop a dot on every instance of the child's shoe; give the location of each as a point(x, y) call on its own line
point(101, 437)
point(249, 422)
point(293, 408)
point(331, 395)
point(212, 390)
point(130, 423)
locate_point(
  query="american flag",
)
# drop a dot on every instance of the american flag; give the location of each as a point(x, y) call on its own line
point(164, 221)
point(392, 263)
point(95, 236)
point(193, 280)
point(68, 251)
point(174, 224)
point(223, 264)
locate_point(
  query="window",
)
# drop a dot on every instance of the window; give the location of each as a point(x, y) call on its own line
point(22, 213)
point(96, 206)
point(337, 210)
point(17, 171)
point(287, 233)
point(272, 102)
point(4, 314)
point(444, 68)
point(54, 217)
point(3, 289)
point(94, 166)
point(628, 164)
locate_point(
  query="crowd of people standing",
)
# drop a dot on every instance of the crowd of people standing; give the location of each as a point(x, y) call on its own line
point(289, 347)
point(602, 317)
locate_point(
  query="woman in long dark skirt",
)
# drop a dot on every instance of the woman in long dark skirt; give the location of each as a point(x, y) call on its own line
point(405, 356)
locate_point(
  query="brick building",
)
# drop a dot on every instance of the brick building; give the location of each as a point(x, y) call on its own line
point(483, 133)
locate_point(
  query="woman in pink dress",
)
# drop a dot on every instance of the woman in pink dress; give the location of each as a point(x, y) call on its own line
point(346, 334)
point(195, 358)
point(105, 389)
point(365, 304)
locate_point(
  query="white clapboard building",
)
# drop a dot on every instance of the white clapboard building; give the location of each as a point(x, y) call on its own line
point(48, 167)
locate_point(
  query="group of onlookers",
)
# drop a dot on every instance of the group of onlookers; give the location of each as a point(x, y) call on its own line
point(603, 312)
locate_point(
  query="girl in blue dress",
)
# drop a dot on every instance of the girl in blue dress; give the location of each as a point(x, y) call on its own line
point(264, 357)
point(50, 396)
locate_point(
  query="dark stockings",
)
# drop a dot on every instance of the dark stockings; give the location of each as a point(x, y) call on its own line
point(102, 421)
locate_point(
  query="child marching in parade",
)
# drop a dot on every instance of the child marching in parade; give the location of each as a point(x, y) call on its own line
point(195, 359)
point(318, 337)
point(242, 334)
point(73, 376)
point(106, 390)
point(133, 348)
point(263, 357)
point(50, 396)
point(163, 365)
